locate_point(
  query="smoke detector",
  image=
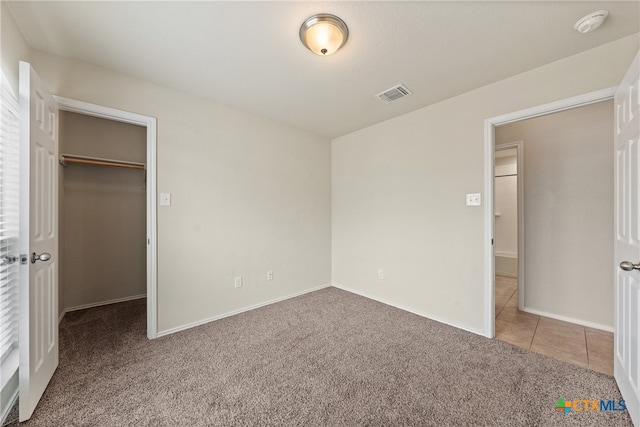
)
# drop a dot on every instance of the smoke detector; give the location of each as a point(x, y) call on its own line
point(591, 21)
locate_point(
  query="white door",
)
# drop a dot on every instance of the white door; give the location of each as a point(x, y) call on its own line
point(627, 240)
point(38, 337)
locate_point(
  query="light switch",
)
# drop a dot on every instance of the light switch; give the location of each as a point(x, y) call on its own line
point(474, 199)
point(165, 199)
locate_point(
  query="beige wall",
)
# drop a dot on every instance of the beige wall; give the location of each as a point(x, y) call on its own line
point(568, 198)
point(398, 189)
point(102, 212)
point(248, 194)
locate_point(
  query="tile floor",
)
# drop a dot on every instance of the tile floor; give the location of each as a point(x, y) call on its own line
point(582, 346)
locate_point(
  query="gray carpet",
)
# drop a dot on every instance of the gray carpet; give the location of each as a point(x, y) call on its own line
point(328, 358)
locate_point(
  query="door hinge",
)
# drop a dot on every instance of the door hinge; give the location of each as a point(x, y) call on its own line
point(491, 242)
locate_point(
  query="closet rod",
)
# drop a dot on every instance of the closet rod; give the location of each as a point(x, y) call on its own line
point(69, 158)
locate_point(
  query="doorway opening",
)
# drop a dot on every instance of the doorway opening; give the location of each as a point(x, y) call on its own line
point(508, 237)
point(561, 223)
point(147, 186)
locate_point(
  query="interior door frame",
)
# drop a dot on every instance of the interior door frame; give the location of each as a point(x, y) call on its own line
point(81, 107)
point(519, 147)
point(489, 165)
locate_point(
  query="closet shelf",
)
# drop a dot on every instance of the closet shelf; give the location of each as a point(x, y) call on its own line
point(72, 158)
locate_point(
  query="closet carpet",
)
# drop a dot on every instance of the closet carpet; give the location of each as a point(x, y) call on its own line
point(327, 358)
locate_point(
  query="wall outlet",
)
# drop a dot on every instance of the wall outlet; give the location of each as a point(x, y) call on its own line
point(270, 275)
point(380, 274)
point(237, 281)
point(165, 199)
point(474, 199)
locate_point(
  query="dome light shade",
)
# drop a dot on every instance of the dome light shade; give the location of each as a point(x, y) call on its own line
point(324, 34)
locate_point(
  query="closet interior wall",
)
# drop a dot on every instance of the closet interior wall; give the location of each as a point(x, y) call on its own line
point(102, 213)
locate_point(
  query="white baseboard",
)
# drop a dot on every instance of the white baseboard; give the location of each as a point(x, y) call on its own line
point(506, 254)
point(568, 319)
point(98, 304)
point(506, 274)
point(241, 310)
point(410, 310)
point(506, 265)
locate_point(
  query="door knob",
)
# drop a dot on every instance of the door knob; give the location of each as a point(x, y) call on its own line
point(629, 266)
point(45, 256)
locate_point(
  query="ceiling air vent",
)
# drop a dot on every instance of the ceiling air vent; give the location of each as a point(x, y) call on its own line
point(395, 93)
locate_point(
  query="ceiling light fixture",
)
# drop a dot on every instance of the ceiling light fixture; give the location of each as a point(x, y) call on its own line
point(323, 34)
point(591, 21)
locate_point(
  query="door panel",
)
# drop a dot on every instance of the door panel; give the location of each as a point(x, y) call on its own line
point(38, 235)
point(627, 240)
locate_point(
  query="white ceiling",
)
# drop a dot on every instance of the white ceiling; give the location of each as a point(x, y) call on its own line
point(248, 55)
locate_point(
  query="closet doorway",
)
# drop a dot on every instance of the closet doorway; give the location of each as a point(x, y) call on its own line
point(107, 208)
